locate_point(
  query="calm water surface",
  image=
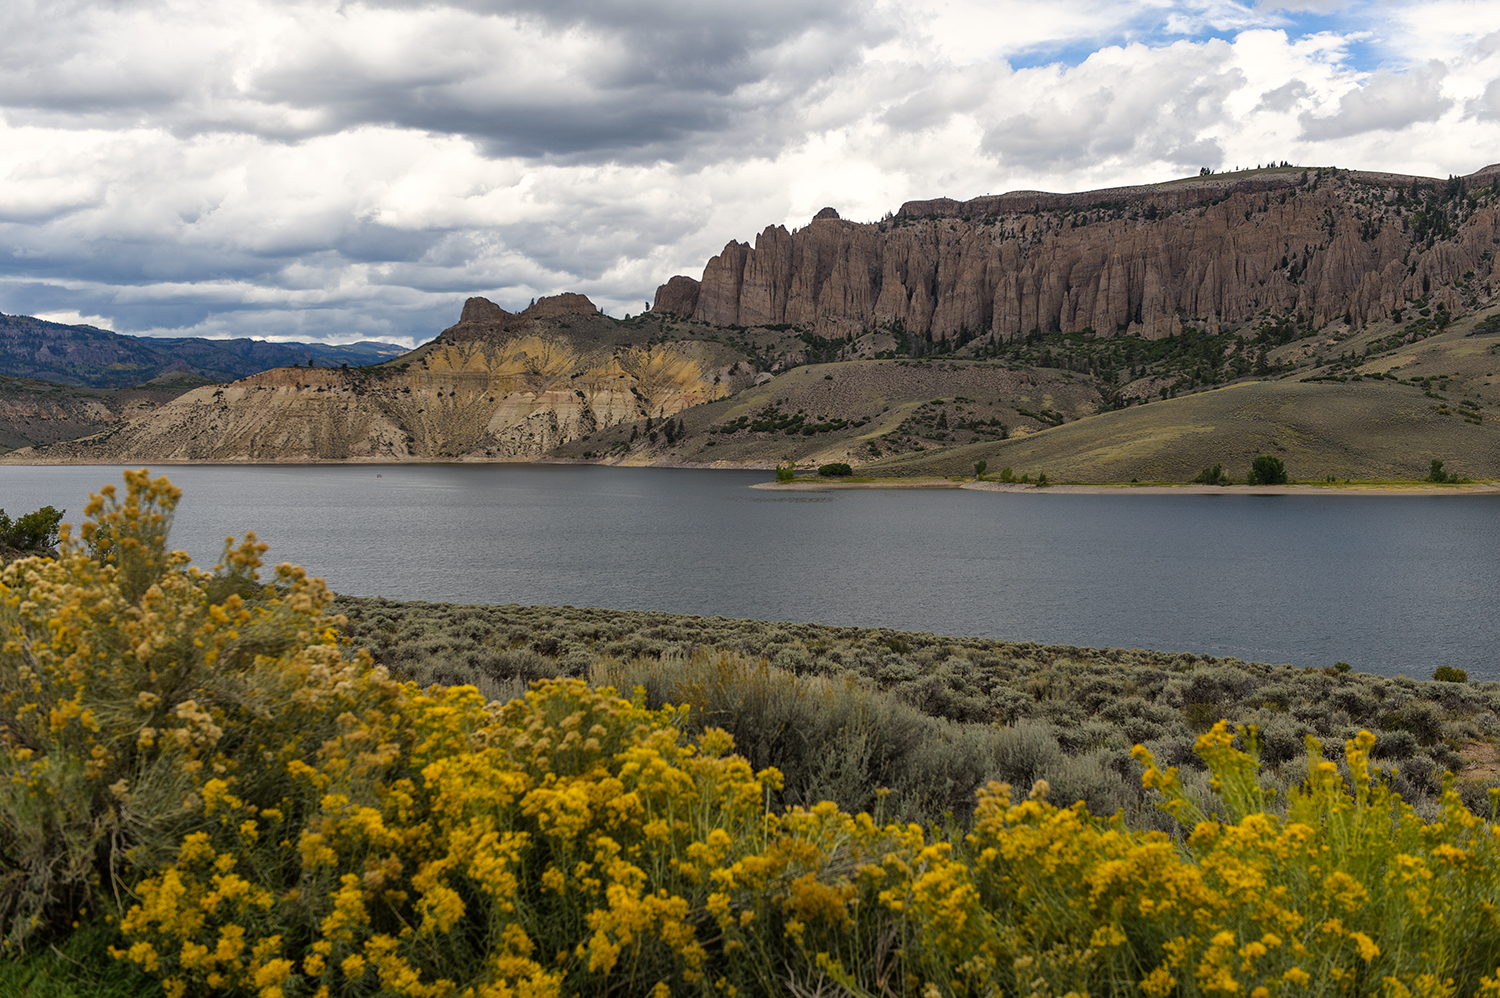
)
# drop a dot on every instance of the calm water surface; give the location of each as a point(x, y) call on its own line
point(1389, 584)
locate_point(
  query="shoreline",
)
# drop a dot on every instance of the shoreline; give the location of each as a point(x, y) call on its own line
point(1397, 489)
point(806, 485)
point(1414, 488)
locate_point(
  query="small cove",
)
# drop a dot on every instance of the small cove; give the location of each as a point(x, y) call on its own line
point(1390, 584)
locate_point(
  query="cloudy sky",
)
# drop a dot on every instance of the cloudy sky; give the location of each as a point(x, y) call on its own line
point(312, 169)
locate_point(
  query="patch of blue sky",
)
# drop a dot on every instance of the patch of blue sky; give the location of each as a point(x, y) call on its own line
point(1071, 54)
point(1361, 50)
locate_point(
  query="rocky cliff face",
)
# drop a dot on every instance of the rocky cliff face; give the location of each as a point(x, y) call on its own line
point(495, 386)
point(1212, 250)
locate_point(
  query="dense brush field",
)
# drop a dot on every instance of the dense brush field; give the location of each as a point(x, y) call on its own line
point(216, 783)
point(845, 711)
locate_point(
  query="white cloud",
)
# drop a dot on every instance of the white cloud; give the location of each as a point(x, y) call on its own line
point(1284, 97)
point(1154, 105)
point(1486, 107)
point(1388, 101)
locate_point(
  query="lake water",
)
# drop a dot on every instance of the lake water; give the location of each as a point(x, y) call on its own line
point(1389, 584)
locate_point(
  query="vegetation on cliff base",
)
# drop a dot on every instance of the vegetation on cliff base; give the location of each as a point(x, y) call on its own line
point(198, 764)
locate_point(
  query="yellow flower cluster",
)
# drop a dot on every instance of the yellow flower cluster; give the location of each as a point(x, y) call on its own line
point(127, 682)
point(453, 847)
point(573, 841)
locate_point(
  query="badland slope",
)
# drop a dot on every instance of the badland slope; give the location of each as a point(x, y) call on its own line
point(853, 412)
point(1215, 250)
point(40, 412)
point(495, 386)
point(97, 358)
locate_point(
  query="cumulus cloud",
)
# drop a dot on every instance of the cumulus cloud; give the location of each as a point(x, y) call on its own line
point(1388, 101)
point(1158, 105)
point(1486, 107)
point(636, 78)
point(1284, 97)
point(313, 169)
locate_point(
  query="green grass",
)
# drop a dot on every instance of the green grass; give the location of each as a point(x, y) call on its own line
point(1370, 431)
point(75, 966)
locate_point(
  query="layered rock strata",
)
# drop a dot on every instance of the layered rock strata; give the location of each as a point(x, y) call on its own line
point(1214, 250)
point(495, 386)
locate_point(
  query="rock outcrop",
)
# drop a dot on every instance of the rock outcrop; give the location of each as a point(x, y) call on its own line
point(1213, 250)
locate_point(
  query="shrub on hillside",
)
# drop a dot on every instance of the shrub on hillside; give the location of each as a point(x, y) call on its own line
point(1267, 470)
point(837, 469)
point(1435, 473)
point(1139, 695)
point(35, 531)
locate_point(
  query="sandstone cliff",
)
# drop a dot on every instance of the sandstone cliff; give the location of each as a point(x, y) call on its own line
point(1213, 250)
point(495, 386)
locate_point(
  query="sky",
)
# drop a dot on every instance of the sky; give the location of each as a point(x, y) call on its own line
point(321, 170)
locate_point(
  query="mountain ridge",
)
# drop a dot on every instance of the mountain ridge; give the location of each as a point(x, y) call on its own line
point(87, 356)
point(1216, 250)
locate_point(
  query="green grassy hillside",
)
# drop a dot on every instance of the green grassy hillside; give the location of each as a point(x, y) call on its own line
point(1372, 415)
point(1365, 431)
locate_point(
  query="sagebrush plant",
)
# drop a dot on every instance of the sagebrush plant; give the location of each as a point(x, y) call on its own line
point(129, 682)
point(1091, 704)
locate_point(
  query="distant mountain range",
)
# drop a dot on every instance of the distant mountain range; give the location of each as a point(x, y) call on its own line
point(97, 358)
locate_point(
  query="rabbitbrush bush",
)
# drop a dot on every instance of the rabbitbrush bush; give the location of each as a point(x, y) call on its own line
point(267, 814)
point(129, 683)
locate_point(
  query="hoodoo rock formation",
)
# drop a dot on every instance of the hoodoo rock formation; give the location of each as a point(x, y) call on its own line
point(1215, 250)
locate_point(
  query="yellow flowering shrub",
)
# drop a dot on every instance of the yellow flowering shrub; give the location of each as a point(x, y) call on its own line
point(573, 842)
point(130, 683)
point(1347, 892)
point(567, 840)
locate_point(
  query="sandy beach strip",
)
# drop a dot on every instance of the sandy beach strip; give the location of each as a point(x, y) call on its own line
point(821, 485)
point(1414, 489)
